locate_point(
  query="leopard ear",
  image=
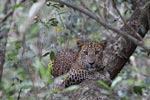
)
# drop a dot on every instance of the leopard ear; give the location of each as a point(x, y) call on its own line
point(103, 43)
point(80, 43)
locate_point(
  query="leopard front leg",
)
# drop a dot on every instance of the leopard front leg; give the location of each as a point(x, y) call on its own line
point(75, 76)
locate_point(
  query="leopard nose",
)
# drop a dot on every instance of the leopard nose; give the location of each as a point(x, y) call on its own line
point(91, 63)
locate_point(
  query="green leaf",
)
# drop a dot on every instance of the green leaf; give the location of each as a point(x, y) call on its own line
point(21, 72)
point(138, 89)
point(48, 3)
point(34, 0)
point(44, 23)
point(16, 6)
point(123, 98)
point(52, 19)
point(41, 69)
point(34, 29)
point(56, 6)
point(47, 53)
point(131, 81)
point(52, 55)
point(54, 23)
point(48, 72)
point(60, 39)
point(17, 45)
point(108, 92)
point(115, 81)
point(104, 84)
point(125, 12)
point(12, 54)
point(11, 98)
point(71, 88)
point(54, 90)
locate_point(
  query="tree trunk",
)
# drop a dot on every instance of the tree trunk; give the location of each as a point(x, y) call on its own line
point(120, 49)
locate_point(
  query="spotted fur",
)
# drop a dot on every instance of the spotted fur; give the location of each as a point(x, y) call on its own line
point(62, 62)
point(87, 61)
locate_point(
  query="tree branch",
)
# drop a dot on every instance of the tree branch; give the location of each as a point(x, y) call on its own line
point(97, 19)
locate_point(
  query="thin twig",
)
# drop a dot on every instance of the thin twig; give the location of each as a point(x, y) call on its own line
point(9, 13)
point(98, 7)
point(84, 5)
point(6, 16)
point(18, 98)
point(35, 90)
point(105, 11)
point(97, 19)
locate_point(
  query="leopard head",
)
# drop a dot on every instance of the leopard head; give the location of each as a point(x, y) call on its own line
point(90, 54)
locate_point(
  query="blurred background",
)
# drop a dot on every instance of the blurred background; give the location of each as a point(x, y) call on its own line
point(26, 70)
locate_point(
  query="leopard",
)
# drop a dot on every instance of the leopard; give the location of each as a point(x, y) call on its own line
point(62, 62)
point(87, 63)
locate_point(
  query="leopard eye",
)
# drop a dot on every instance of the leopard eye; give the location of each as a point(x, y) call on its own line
point(85, 52)
point(96, 52)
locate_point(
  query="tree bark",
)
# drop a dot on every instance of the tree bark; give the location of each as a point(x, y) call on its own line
point(116, 54)
point(120, 49)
